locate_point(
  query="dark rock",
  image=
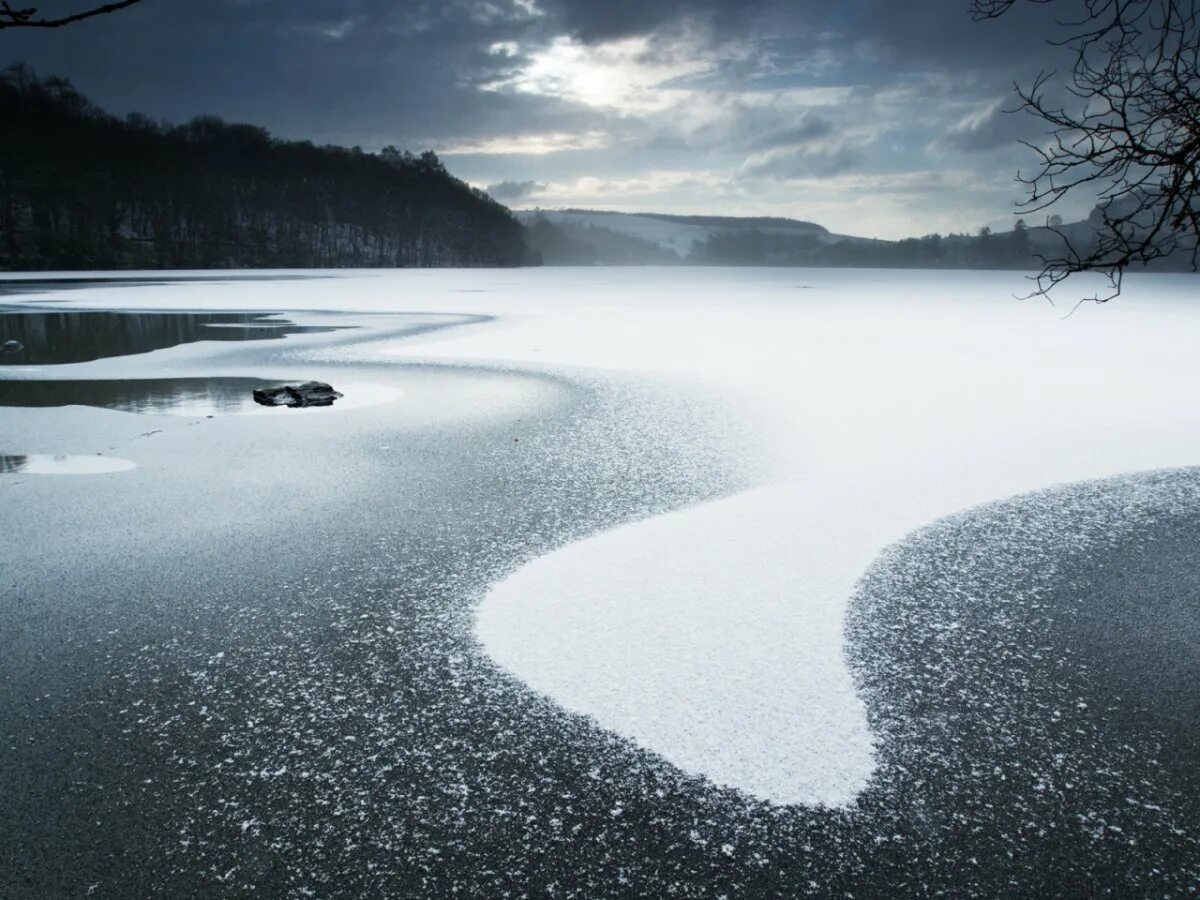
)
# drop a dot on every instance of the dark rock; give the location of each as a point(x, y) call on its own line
point(311, 393)
point(11, 347)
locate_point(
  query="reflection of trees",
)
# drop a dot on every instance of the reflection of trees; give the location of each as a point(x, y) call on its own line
point(138, 395)
point(11, 464)
point(73, 337)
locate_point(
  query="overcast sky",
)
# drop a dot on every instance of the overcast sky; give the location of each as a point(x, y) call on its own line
point(873, 117)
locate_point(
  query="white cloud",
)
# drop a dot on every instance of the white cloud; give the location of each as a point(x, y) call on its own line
point(630, 75)
point(528, 144)
point(687, 125)
point(988, 126)
point(338, 30)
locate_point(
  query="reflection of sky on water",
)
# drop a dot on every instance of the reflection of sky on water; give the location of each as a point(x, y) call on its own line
point(176, 396)
point(55, 283)
point(56, 337)
point(61, 464)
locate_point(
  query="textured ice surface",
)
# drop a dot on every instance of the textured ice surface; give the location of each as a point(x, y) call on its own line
point(889, 403)
point(709, 648)
point(61, 464)
point(887, 399)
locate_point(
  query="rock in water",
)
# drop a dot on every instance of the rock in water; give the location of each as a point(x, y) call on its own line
point(311, 393)
point(11, 347)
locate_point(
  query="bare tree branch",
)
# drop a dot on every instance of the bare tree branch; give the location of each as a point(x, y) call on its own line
point(1128, 129)
point(27, 17)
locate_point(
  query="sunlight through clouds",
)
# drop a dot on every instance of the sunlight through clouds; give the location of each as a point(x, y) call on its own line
point(630, 75)
point(528, 144)
point(763, 97)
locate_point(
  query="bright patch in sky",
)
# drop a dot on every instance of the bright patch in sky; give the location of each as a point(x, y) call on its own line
point(627, 75)
point(530, 144)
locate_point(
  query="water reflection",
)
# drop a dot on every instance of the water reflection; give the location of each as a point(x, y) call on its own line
point(75, 337)
point(55, 283)
point(48, 285)
point(61, 464)
point(179, 396)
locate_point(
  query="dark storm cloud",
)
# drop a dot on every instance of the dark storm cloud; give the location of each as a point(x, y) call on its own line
point(591, 21)
point(916, 33)
point(486, 81)
point(376, 68)
point(353, 71)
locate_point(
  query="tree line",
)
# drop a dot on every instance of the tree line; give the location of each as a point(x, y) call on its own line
point(984, 250)
point(1022, 248)
point(82, 189)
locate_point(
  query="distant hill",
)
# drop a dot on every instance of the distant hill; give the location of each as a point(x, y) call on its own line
point(657, 238)
point(739, 222)
point(595, 237)
point(564, 241)
point(81, 189)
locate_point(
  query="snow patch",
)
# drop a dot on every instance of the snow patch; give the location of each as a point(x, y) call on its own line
point(710, 649)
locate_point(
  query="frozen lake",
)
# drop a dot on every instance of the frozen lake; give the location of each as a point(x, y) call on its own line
point(703, 580)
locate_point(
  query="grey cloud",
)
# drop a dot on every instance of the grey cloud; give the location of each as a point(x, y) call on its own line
point(810, 128)
point(590, 21)
point(912, 33)
point(797, 162)
point(347, 69)
point(513, 190)
point(413, 73)
point(406, 73)
point(995, 125)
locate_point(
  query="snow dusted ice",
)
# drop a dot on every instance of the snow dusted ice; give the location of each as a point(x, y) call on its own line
point(696, 646)
point(714, 636)
point(884, 401)
point(62, 464)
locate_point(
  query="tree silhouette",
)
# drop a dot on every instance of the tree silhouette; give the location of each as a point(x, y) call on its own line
point(28, 17)
point(1129, 128)
point(81, 189)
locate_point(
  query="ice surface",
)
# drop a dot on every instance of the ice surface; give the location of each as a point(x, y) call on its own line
point(695, 644)
point(892, 400)
point(61, 464)
point(713, 636)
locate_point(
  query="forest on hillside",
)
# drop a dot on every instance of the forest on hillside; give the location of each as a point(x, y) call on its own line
point(82, 189)
point(985, 250)
point(779, 242)
point(590, 237)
